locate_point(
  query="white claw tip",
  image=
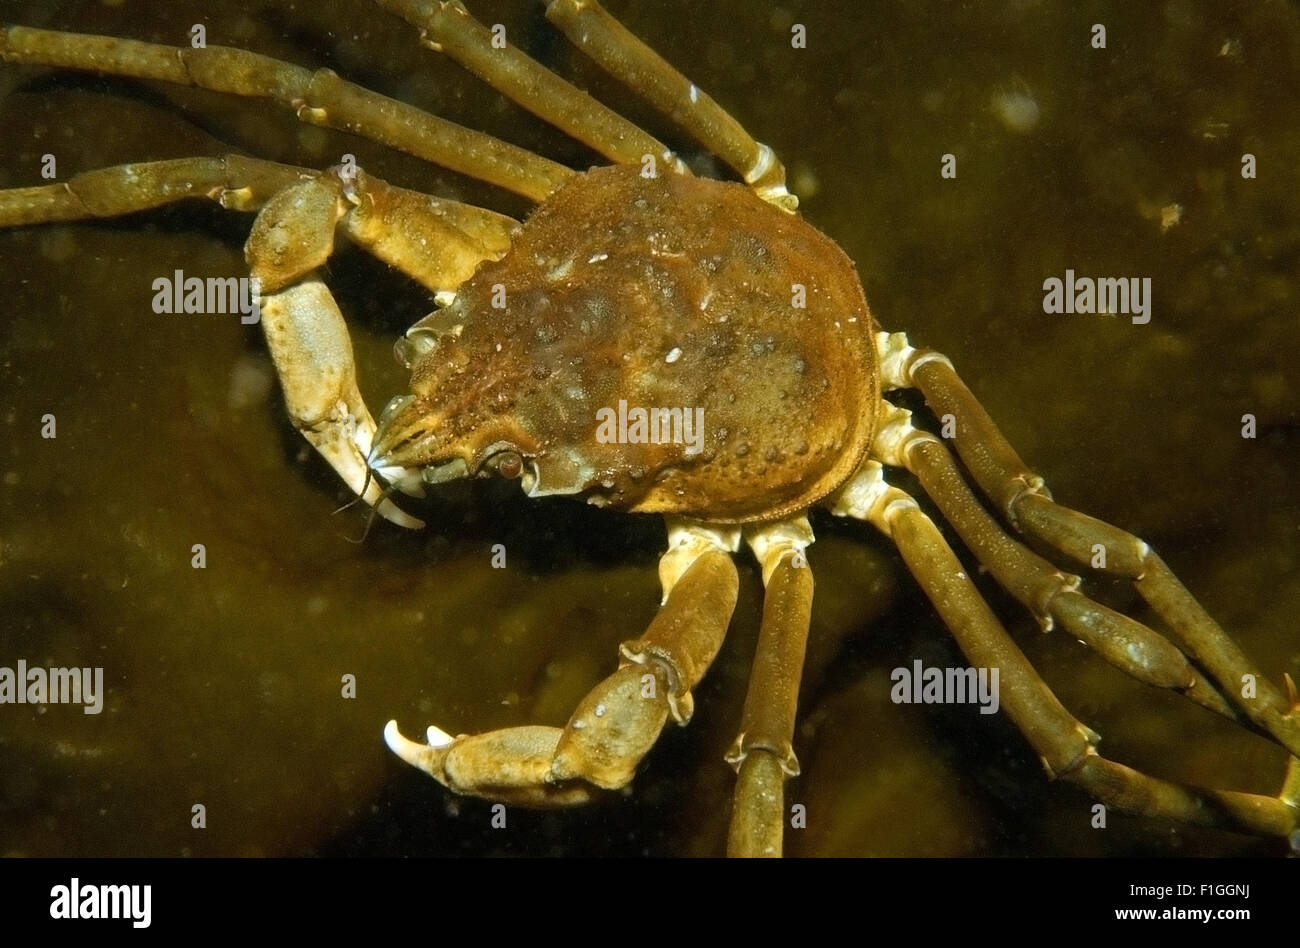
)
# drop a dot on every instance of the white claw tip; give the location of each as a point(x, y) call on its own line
point(414, 754)
point(393, 737)
point(437, 737)
point(417, 755)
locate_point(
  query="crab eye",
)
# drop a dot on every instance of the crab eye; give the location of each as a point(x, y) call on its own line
point(508, 464)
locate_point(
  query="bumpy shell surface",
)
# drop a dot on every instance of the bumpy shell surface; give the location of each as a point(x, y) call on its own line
point(671, 292)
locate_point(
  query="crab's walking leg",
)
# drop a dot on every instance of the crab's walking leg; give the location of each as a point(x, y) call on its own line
point(1023, 497)
point(763, 753)
point(449, 28)
point(234, 182)
point(320, 98)
point(1052, 596)
point(639, 67)
point(621, 718)
point(435, 241)
point(1067, 748)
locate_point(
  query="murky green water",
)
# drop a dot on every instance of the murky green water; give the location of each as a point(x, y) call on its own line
point(224, 683)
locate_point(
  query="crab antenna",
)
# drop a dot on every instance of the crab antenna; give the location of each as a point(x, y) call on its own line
point(386, 492)
point(365, 486)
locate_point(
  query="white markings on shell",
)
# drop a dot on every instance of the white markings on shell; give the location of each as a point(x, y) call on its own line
point(560, 270)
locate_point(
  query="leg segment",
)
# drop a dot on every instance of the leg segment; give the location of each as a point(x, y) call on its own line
point(621, 718)
point(1052, 596)
point(1066, 747)
point(637, 66)
point(1023, 497)
point(763, 753)
point(320, 98)
point(434, 241)
point(449, 28)
point(438, 242)
point(234, 182)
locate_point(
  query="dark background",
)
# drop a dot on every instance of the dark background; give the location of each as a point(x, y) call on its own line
point(224, 683)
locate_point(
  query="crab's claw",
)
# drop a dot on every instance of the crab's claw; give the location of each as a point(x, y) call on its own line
point(313, 355)
point(513, 765)
point(314, 359)
point(427, 757)
point(342, 435)
point(291, 238)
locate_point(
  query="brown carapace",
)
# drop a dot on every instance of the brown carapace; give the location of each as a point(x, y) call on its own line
point(689, 299)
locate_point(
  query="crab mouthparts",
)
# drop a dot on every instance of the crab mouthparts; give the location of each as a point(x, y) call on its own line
point(405, 479)
point(452, 470)
point(404, 441)
point(400, 439)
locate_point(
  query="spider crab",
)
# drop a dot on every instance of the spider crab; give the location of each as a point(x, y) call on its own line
point(638, 284)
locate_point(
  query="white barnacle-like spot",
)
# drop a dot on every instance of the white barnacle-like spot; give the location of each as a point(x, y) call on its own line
point(674, 354)
point(560, 270)
point(597, 258)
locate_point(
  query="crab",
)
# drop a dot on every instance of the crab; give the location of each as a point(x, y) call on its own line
point(640, 286)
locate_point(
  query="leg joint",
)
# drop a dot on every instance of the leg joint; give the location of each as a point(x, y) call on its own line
point(779, 749)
